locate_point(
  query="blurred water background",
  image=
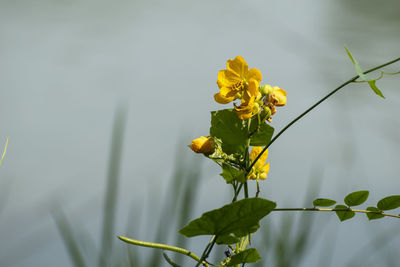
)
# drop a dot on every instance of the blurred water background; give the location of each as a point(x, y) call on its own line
point(66, 67)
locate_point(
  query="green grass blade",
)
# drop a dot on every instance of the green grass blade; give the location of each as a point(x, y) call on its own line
point(110, 203)
point(67, 235)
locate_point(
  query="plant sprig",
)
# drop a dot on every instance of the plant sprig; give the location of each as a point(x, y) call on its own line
point(232, 132)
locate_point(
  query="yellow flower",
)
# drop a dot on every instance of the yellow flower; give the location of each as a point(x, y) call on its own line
point(246, 108)
point(278, 96)
point(203, 145)
point(260, 169)
point(234, 79)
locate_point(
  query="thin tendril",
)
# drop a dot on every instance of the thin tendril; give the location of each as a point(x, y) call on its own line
point(315, 105)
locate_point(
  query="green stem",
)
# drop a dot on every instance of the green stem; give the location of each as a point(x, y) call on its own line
point(207, 250)
point(247, 157)
point(238, 191)
point(211, 244)
point(246, 190)
point(349, 209)
point(315, 105)
point(164, 247)
point(258, 189)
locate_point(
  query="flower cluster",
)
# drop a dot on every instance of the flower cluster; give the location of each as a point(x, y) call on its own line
point(238, 82)
point(260, 168)
point(230, 133)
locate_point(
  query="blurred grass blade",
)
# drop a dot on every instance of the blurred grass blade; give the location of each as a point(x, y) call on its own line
point(191, 179)
point(376, 245)
point(132, 227)
point(304, 232)
point(171, 262)
point(112, 186)
point(173, 194)
point(67, 235)
point(4, 152)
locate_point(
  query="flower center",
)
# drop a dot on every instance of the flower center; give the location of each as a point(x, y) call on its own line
point(238, 86)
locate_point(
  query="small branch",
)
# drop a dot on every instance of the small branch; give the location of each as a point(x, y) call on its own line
point(207, 250)
point(315, 105)
point(349, 209)
point(164, 247)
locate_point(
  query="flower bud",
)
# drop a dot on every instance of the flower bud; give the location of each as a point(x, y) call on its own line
point(203, 145)
point(256, 108)
point(263, 176)
point(266, 113)
point(252, 176)
point(265, 89)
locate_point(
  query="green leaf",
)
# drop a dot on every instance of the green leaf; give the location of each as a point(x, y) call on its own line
point(389, 203)
point(356, 198)
point(374, 88)
point(364, 77)
point(263, 133)
point(374, 216)
point(227, 239)
point(247, 256)
point(240, 218)
point(344, 215)
point(350, 56)
point(226, 125)
point(230, 173)
point(323, 202)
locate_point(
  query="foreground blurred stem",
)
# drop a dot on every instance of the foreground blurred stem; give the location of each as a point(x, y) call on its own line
point(316, 104)
point(164, 247)
point(334, 210)
point(4, 152)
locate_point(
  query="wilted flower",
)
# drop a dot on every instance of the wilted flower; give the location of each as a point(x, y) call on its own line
point(274, 97)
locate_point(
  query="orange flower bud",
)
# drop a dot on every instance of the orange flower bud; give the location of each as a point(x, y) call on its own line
point(203, 145)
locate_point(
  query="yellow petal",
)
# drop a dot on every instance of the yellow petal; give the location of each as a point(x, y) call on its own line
point(245, 115)
point(280, 95)
point(225, 95)
point(252, 88)
point(244, 111)
point(238, 66)
point(246, 98)
point(264, 157)
point(227, 78)
point(222, 99)
point(254, 152)
point(254, 74)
